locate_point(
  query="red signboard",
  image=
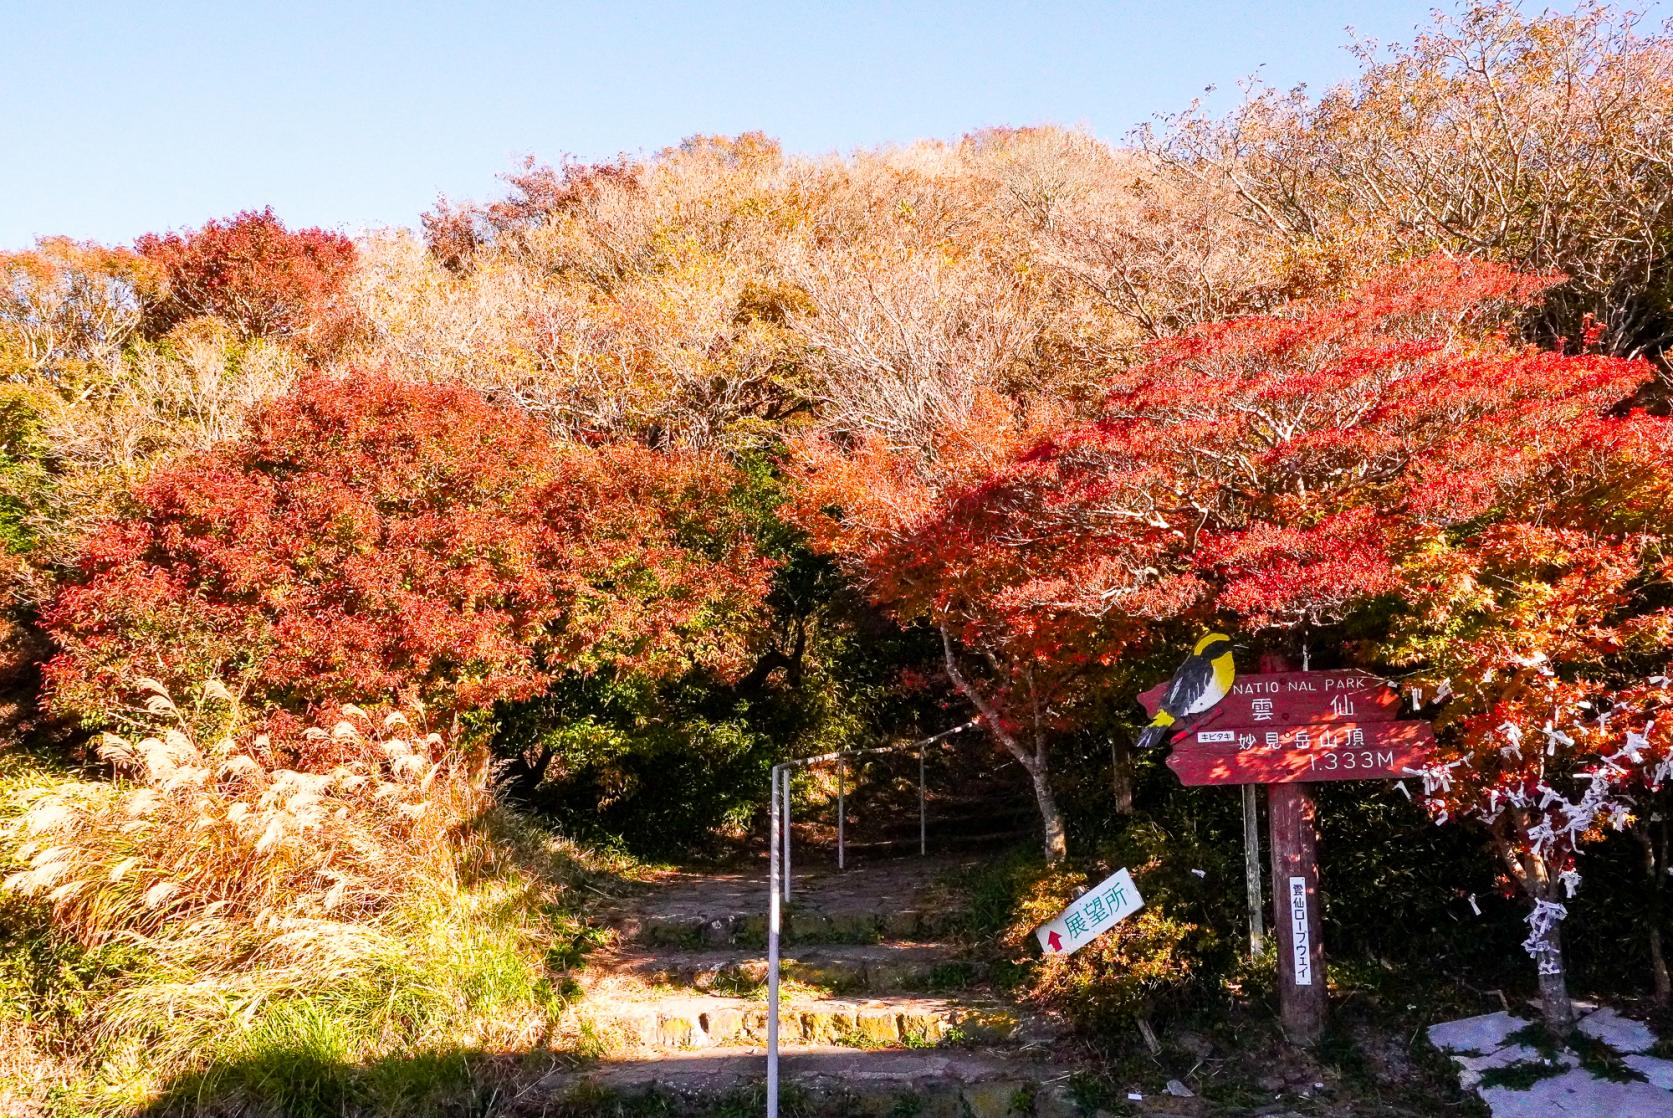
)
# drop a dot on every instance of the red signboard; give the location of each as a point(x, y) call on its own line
point(1287, 730)
point(1286, 755)
point(1294, 699)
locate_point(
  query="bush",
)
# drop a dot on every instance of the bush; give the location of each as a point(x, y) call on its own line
point(370, 537)
point(664, 765)
point(211, 831)
point(264, 279)
point(1165, 958)
point(211, 914)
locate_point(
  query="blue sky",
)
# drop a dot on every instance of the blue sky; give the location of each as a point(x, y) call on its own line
point(127, 117)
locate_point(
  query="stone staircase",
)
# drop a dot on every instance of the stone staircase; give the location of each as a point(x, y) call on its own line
point(842, 968)
point(882, 1012)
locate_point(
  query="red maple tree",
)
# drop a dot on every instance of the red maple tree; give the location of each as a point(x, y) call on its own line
point(373, 537)
point(1541, 632)
point(1261, 465)
point(1391, 455)
point(266, 280)
point(931, 536)
point(1388, 456)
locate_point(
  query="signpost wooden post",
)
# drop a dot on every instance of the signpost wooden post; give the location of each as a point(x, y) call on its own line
point(1292, 815)
point(1286, 730)
point(1252, 871)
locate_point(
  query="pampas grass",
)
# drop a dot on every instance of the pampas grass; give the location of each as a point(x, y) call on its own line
point(324, 919)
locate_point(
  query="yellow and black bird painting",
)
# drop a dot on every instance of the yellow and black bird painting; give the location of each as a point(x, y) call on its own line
point(1201, 681)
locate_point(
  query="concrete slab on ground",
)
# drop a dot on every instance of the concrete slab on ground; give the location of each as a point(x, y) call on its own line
point(1623, 1034)
point(1475, 1035)
point(1581, 1094)
point(1472, 1068)
point(1480, 1044)
point(1657, 1071)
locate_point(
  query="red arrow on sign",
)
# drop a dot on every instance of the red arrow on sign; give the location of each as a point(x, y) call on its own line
point(1056, 941)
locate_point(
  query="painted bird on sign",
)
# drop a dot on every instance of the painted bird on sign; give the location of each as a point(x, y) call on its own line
point(1202, 680)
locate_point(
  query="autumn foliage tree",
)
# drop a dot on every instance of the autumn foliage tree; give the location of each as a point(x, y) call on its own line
point(67, 307)
point(250, 270)
point(1543, 637)
point(901, 520)
point(1290, 474)
point(1538, 140)
point(455, 232)
point(1238, 469)
point(373, 538)
point(1391, 453)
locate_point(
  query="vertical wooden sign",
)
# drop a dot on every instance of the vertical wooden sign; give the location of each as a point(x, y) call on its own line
point(1292, 815)
point(1292, 822)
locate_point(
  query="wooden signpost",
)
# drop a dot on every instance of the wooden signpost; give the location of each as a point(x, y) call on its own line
point(1285, 730)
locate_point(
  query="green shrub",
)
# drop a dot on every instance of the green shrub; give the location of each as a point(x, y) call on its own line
point(665, 766)
point(1132, 970)
point(1168, 957)
point(24, 479)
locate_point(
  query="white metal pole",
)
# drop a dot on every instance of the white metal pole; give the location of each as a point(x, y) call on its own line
point(842, 814)
point(774, 915)
point(785, 832)
point(923, 815)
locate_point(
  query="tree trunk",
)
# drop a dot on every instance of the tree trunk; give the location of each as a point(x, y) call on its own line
point(1652, 838)
point(1121, 761)
point(1034, 763)
point(522, 777)
point(1056, 840)
point(1554, 1003)
point(1658, 968)
point(1545, 940)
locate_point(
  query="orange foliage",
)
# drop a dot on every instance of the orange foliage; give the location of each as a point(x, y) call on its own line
point(264, 279)
point(372, 538)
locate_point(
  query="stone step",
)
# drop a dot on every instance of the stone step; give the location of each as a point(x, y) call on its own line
point(802, 925)
point(699, 1021)
point(823, 1082)
point(839, 968)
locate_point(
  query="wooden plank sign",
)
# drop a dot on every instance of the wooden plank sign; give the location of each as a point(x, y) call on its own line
point(1331, 751)
point(1294, 699)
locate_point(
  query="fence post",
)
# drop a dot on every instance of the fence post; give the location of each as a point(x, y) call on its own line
point(842, 814)
point(923, 814)
point(774, 917)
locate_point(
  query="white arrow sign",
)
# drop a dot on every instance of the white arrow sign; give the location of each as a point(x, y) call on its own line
point(1096, 911)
